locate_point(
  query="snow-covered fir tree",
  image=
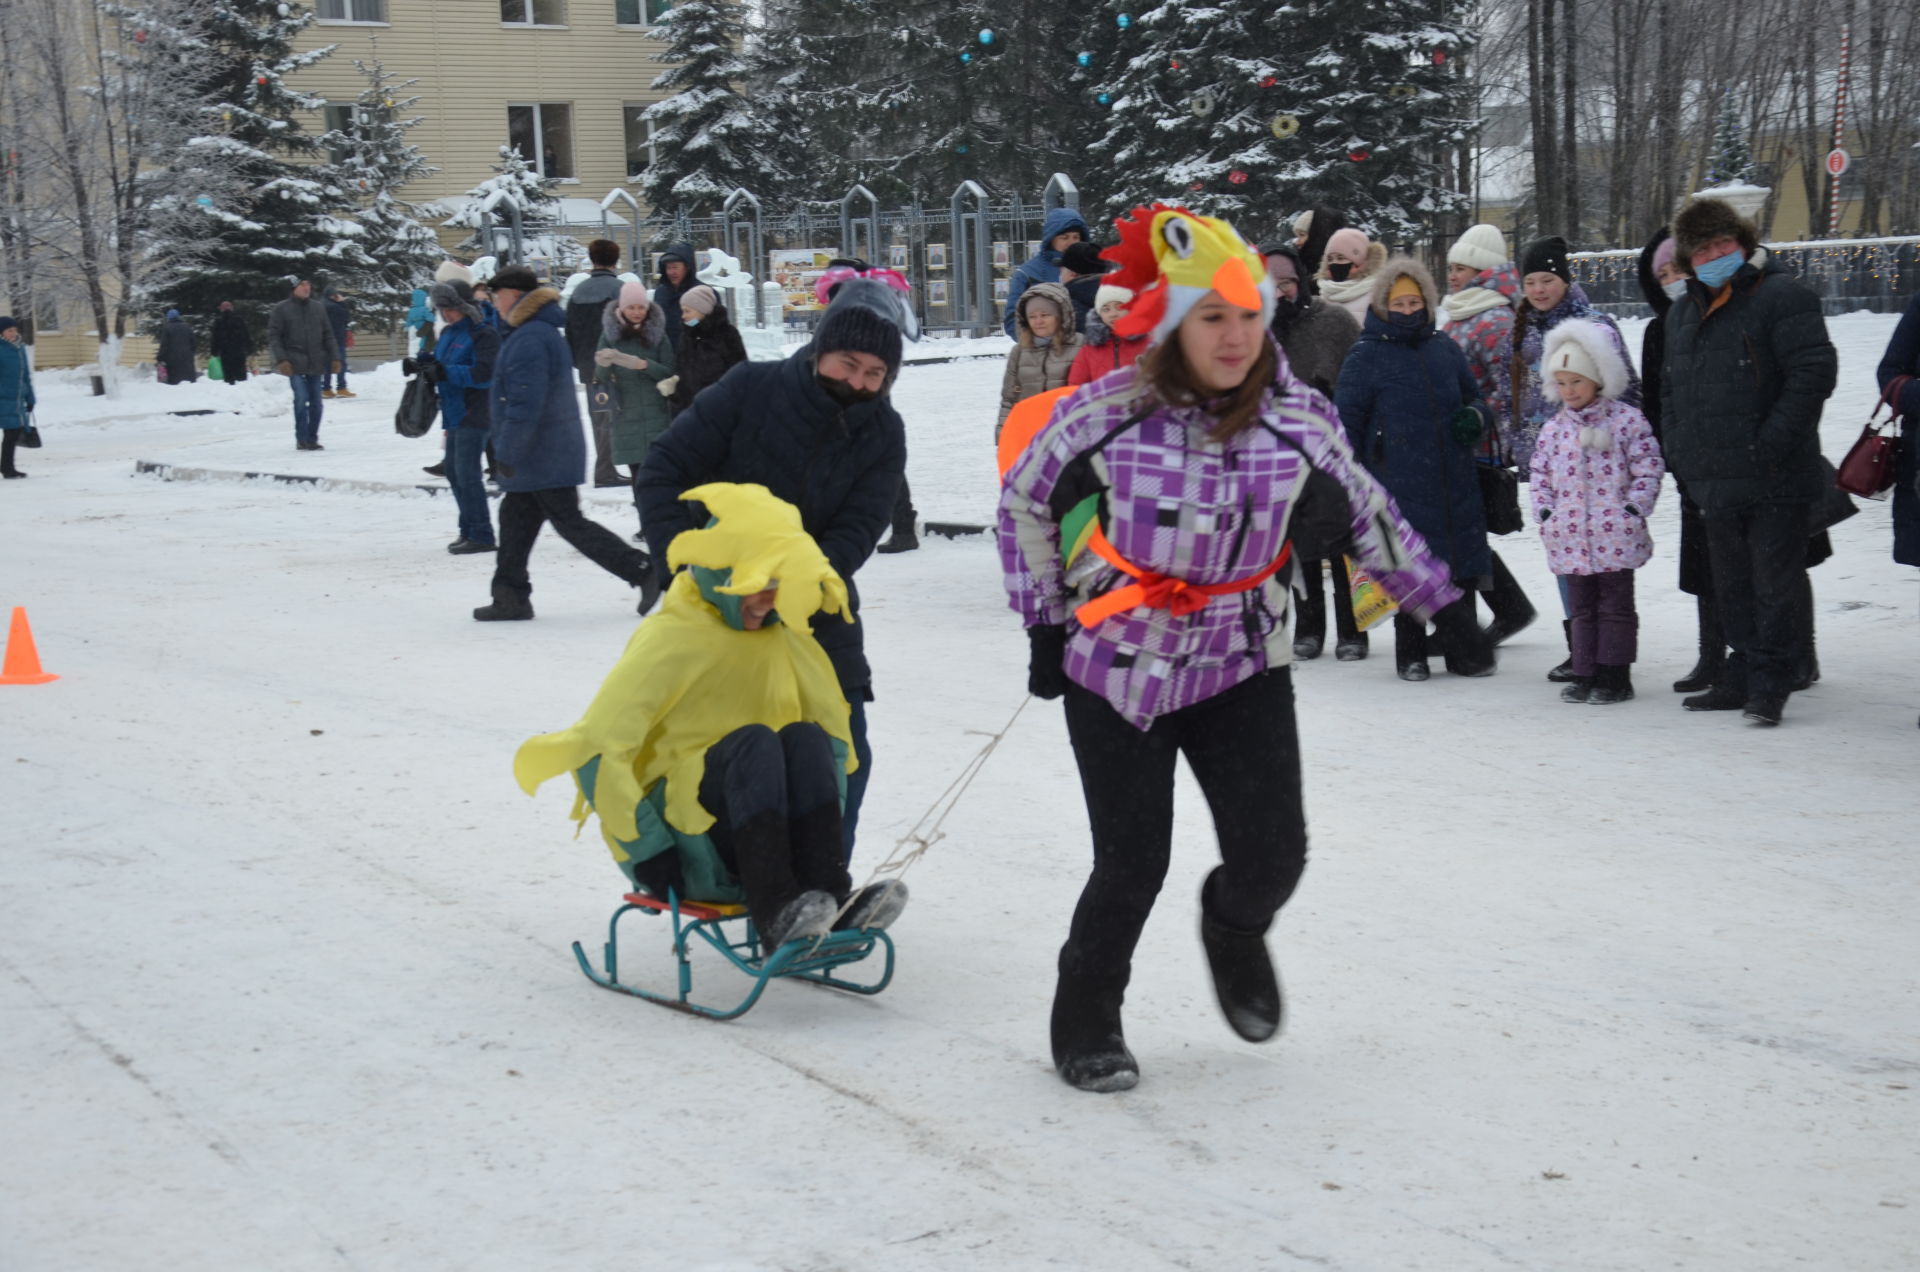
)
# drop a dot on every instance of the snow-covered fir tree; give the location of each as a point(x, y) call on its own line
point(708, 140)
point(274, 219)
point(374, 161)
point(1732, 161)
point(1245, 110)
point(525, 189)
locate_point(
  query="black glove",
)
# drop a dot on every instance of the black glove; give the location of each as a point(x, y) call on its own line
point(1467, 649)
point(408, 367)
point(1046, 661)
point(432, 372)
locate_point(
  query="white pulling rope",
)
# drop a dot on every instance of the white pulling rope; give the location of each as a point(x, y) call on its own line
point(926, 832)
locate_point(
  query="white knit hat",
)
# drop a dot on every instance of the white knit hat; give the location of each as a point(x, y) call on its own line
point(1111, 294)
point(1587, 348)
point(1572, 356)
point(452, 271)
point(1303, 224)
point(1482, 247)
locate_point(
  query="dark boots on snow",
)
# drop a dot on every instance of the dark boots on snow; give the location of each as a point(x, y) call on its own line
point(1564, 672)
point(1713, 649)
point(805, 918)
point(1089, 1050)
point(1611, 684)
point(1513, 613)
point(1243, 976)
point(1728, 691)
point(507, 607)
point(1410, 648)
point(874, 907)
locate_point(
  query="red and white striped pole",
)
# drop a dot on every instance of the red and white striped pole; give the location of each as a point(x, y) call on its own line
point(1837, 158)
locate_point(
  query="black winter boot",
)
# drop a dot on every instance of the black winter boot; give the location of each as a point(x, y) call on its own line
point(1467, 649)
point(1564, 672)
point(1765, 708)
point(1351, 648)
point(1410, 648)
point(1611, 684)
point(1089, 1050)
point(1513, 613)
point(1243, 977)
point(1310, 624)
point(1729, 691)
point(1578, 689)
point(1713, 649)
point(507, 607)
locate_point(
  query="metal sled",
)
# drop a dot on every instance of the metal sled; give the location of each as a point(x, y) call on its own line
point(813, 961)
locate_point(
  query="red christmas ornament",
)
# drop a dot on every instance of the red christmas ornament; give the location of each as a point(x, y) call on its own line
point(1175, 64)
point(261, 81)
point(1270, 81)
point(139, 37)
point(1237, 177)
point(1439, 57)
point(1359, 156)
point(1198, 185)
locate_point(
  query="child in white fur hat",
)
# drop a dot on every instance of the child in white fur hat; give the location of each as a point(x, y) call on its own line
point(1595, 475)
point(1106, 349)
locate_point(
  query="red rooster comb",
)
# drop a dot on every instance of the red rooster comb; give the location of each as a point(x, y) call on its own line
point(1139, 270)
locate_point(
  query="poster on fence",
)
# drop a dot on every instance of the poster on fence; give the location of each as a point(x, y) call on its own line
point(936, 256)
point(897, 257)
point(797, 269)
point(937, 292)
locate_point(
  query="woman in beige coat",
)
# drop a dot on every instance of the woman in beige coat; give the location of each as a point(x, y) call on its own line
point(1048, 344)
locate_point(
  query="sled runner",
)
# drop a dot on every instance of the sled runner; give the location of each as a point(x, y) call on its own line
point(810, 960)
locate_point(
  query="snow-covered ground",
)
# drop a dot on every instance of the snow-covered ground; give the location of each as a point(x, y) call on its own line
point(287, 981)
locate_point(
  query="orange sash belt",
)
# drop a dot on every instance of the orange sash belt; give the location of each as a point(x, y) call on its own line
point(1161, 591)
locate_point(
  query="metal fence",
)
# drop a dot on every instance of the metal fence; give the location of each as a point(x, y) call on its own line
point(959, 257)
point(1877, 274)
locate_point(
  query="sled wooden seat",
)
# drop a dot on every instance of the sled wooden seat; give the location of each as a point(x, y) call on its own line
point(697, 910)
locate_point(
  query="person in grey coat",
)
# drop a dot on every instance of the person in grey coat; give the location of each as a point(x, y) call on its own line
point(301, 344)
point(175, 354)
point(340, 316)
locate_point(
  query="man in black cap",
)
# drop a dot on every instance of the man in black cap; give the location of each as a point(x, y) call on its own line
point(819, 431)
point(1080, 272)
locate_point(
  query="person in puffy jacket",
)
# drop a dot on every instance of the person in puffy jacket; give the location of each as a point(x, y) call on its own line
point(461, 371)
point(636, 364)
point(1062, 228)
point(1047, 346)
point(1168, 633)
point(301, 344)
point(17, 398)
point(540, 451)
point(709, 347)
point(1105, 349)
point(717, 753)
point(1413, 413)
point(1596, 473)
point(175, 352)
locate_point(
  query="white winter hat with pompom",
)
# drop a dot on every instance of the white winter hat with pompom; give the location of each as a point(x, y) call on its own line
point(1482, 247)
point(1111, 294)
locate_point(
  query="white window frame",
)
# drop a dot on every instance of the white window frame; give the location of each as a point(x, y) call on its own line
point(539, 158)
point(653, 147)
point(527, 7)
point(645, 23)
point(349, 6)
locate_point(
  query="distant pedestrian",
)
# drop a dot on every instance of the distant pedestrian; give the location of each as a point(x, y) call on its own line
point(1105, 349)
point(677, 264)
point(709, 347)
point(461, 369)
point(340, 316)
point(16, 394)
point(232, 343)
point(1081, 270)
point(1348, 269)
point(585, 306)
point(175, 354)
point(1061, 230)
point(301, 344)
point(1047, 345)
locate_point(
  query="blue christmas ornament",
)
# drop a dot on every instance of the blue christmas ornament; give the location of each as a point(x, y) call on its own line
point(965, 58)
point(960, 149)
point(1125, 20)
point(1085, 59)
point(986, 35)
point(1106, 99)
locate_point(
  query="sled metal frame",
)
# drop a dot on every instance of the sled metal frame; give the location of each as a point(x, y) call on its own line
point(813, 961)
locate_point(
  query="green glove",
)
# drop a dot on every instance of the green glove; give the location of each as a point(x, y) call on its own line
point(1468, 425)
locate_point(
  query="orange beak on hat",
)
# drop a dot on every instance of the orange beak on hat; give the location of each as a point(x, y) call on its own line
point(1234, 281)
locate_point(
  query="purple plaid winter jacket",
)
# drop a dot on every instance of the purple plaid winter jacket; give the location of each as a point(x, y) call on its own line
point(1180, 504)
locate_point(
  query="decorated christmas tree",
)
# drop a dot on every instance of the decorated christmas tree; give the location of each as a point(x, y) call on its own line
point(375, 161)
point(273, 218)
point(1732, 162)
point(708, 140)
point(1245, 110)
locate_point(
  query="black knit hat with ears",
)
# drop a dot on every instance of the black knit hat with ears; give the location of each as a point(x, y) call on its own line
point(1547, 256)
point(1084, 258)
point(857, 321)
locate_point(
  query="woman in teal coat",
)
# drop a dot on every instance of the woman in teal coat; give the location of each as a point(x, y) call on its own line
point(635, 363)
point(16, 394)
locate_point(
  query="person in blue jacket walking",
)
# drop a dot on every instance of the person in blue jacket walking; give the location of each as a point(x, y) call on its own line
point(16, 394)
point(461, 371)
point(1062, 229)
point(540, 451)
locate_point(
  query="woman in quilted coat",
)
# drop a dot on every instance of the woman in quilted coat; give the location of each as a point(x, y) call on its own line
point(1595, 475)
point(1048, 345)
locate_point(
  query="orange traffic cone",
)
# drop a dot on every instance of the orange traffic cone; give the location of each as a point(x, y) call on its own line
point(22, 666)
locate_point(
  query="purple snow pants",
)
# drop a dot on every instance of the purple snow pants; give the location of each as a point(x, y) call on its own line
point(1605, 627)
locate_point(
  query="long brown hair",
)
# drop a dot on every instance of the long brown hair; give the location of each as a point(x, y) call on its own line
point(1170, 380)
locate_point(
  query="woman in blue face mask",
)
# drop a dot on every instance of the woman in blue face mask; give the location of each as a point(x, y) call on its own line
point(1413, 411)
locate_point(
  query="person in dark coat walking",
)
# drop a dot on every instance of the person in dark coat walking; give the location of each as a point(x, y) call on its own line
point(175, 354)
point(16, 394)
point(710, 345)
point(585, 310)
point(1412, 410)
point(819, 431)
point(1315, 336)
point(540, 451)
point(1899, 378)
point(1061, 230)
point(677, 264)
point(1081, 270)
point(1746, 369)
point(232, 343)
point(303, 349)
point(340, 315)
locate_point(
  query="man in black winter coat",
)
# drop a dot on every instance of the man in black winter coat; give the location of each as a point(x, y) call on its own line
point(676, 280)
point(819, 431)
point(590, 296)
point(1746, 368)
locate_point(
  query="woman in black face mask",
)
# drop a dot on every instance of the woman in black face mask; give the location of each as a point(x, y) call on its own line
point(1412, 409)
point(1348, 271)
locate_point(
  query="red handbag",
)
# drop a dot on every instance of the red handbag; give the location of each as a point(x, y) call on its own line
point(1868, 469)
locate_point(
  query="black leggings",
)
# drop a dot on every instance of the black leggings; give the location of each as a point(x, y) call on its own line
point(1244, 750)
point(523, 512)
point(9, 438)
point(776, 802)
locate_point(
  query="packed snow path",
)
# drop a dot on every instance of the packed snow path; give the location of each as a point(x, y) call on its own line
point(286, 980)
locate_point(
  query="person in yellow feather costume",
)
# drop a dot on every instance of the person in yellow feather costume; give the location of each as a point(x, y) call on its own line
point(716, 752)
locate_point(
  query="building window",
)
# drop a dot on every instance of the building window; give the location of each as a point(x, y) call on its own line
point(341, 117)
point(46, 316)
point(351, 10)
point(640, 152)
point(640, 12)
point(533, 12)
point(543, 134)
